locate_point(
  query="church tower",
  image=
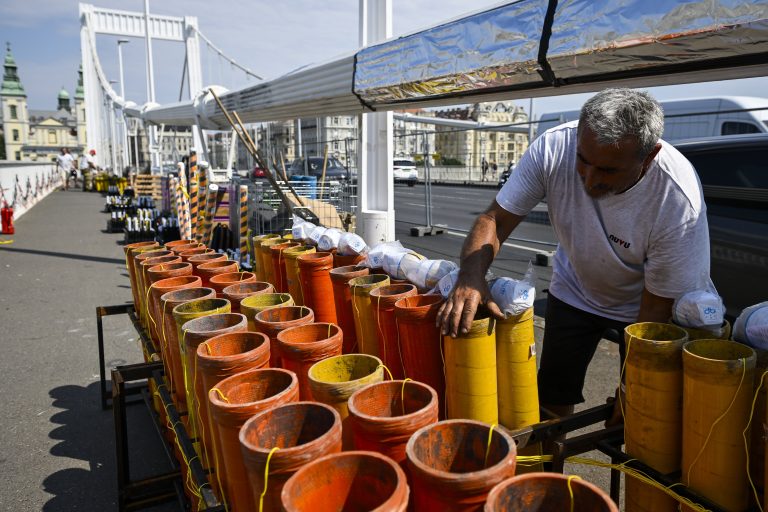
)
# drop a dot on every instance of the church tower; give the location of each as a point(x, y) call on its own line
point(80, 110)
point(64, 100)
point(13, 101)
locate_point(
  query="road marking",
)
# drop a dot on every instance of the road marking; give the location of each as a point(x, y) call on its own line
point(507, 244)
point(422, 205)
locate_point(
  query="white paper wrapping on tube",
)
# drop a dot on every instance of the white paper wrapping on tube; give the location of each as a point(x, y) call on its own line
point(329, 240)
point(351, 244)
point(700, 309)
point(429, 272)
point(375, 257)
point(751, 327)
point(301, 228)
point(399, 264)
point(512, 296)
point(315, 234)
point(447, 282)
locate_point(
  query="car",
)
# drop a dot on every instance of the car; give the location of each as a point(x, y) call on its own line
point(504, 176)
point(405, 171)
point(733, 174)
point(334, 169)
point(258, 173)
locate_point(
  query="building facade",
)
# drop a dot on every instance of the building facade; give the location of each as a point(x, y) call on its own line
point(469, 147)
point(412, 140)
point(38, 135)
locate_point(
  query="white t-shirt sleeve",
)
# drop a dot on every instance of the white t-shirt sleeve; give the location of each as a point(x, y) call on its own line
point(527, 184)
point(678, 260)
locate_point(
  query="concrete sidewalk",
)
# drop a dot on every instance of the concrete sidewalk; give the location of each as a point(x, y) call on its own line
point(57, 449)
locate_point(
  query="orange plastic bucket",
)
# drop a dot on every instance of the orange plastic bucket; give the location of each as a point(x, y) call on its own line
point(232, 402)
point(383, 301)
point(302, 432)
point(221, 281)
point(273, 320)
point(385, 415)
point(453, 466)
point(342, 298)
point(316, 288)
point(208, 257)
point(545, 492)
point(291, 264)
point(235, 293)
point(255, 304)
point(421, 342)
point(301, 346)
point(169, 341)
point(176, 243)
point(349, 481)
point(207, 270)
point(194, 252)
point(345, 261)
point(129, 251)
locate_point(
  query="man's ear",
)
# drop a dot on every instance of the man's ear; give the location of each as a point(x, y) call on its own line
point(651, 155)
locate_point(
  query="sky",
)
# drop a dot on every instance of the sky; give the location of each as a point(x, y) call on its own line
point(269, 37)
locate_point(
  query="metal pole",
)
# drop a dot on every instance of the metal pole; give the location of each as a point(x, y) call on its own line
point(427, 182)
point(151, 132)
point(123, 125)
point(530, 120)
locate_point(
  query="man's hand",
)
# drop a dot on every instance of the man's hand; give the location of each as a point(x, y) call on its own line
point(456, 314)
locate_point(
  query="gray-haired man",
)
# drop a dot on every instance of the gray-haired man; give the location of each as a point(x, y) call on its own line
point(629, 215)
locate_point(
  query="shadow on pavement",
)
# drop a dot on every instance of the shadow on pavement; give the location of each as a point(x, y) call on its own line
point(86, 433)
point(66, 255)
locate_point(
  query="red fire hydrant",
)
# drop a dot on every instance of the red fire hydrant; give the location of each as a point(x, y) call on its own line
point(6, 216)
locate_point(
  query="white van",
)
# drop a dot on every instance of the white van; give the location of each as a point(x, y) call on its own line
point(694, 117)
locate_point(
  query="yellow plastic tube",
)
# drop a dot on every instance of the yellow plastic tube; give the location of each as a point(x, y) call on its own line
point(365, 324)
point(257, 263)
point(265, 258)
point(470, 372)
point(703, 334)
point(292, 271)
point(757, 443)
point(718, 376)
point(653, 411)
point(255, 304)
point(516, 368)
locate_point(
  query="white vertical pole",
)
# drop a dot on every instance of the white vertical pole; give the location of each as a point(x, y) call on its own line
point(194, 72)
point(91, 85)
point(152, 130)
point(376, 211)
point(121, 118)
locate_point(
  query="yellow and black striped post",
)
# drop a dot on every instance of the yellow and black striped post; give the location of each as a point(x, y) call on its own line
point(202, 178)
point(243, 222)
point(193, 192)
point(210, 208)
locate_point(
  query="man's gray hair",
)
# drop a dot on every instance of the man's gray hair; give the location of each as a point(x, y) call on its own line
point(616, 114)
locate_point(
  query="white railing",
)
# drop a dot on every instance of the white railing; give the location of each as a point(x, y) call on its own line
point(24, 184)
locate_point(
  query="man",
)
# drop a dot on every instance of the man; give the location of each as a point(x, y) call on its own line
point(88, 168)
point(65, 164)
point(629, 214)
point(484, 169)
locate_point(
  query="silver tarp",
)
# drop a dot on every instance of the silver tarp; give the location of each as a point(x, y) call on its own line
point(591, 37)
point(497, 49)
point(491, 49)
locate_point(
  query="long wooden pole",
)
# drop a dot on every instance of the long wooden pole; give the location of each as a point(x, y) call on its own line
point(325, 166)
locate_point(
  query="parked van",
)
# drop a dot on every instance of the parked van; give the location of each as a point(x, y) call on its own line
point(694, 117)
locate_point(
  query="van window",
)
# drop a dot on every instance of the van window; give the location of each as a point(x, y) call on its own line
point(736, 128)
point(743, 168)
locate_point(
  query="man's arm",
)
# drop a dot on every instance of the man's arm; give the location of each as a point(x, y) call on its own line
point(654, 308)
point(490, 230)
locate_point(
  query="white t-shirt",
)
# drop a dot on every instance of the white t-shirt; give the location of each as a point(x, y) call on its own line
point(653, 235)
point(65, 162)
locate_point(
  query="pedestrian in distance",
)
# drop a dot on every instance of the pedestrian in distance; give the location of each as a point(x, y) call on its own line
point(484, 169)
point(88, 168)
point(65, 164)
point(631, 221)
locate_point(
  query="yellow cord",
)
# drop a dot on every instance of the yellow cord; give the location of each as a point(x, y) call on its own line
point(221, 395)
point(377, 312)
point(402, 394)
point(714, 424)
point(399, 350)
point(445, 377)
point(382, 365)
point(488, 447)
point(746, 443)
point(355, 309)
point(570, 489)
point(266, 477)
point(621, 378)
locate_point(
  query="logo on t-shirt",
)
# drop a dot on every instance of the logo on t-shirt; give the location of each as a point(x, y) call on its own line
point(619, 241)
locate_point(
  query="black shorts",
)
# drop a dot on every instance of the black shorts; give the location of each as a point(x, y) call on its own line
point(571, 337)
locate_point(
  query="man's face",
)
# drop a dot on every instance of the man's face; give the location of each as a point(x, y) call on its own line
point(607, 169)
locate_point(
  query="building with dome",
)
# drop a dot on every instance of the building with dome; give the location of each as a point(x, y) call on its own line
point(38, 135)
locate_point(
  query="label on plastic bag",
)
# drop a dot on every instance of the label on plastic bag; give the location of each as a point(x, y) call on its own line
point(446, 284)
